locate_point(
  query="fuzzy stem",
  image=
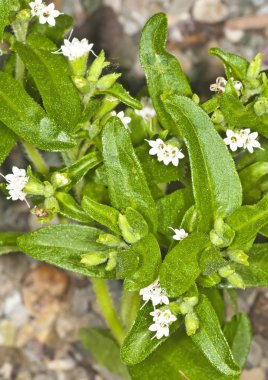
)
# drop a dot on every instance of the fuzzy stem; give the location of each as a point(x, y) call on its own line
point(35, 158)
point(107, 309)
point(129, 307)
point(20, 31)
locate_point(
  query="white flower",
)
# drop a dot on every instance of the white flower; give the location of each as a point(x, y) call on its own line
point(125, 119)
point(75, 48)
point(234, 140)
point(37, 7)
point(249, 140)
point(162, 320)
point(154, 293)
point(180, 234)
point(157, 146)
point(148, 112)
point(171, 154)
point(16, 183)
point(48, 15)
point(219, 86)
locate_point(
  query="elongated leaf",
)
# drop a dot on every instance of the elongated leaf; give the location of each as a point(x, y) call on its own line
point(8, 242)
point(126, 181)
point(103, 214)
point(256, 274)
point(7, 141)
point(27, 119)
point(79, 169)
point(247, 221)
point(210, 339)
point(4, 12)
point(235, 65)
point(147, 253)
point(249, 177)
point(104, 350)
point(181, 265)
point(238, 334)
point(71, 209)
point(138, 343)
point(215, 297)
point(118, 92)
point(177, 359)
point(171, 208)
point(162, 70)
point(52, 77)
point(215, 193)
point(62, 245)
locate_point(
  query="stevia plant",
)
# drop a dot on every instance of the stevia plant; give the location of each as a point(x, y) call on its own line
point(167, 196)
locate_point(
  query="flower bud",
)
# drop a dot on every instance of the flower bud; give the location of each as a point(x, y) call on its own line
point(96, 68)
point(185, 308)
point(132, 225)
point(78, 65)
point(48, 190)
point(191, 323)
point(111, 241)
point(112, 261)
point(254, 67)
point(217, 117)
point(34, 188)
point(195, 99)
point(222, 235)
point(210, 280)
point(236, 280)
point(81, 84)
point(261, 106)
point(92, 259)
point(226, 271)
point(51, 205)
point(107, 81)
point(24, 15)
point(238, 256)
point(59, 180)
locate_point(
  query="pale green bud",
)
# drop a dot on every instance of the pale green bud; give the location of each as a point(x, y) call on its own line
point(24, 15)
point(195, 99)
point(112, 261)
point(236, 280)
point(51, 205)
point(210, 280)
point(34, 188)
point(185, 308)
point(217, 117)
point(92, 259)
point(81, 84)
point(59, 180)
point(226, 271)
point(254, 67)
point(193, 301)
point(107, 81)
point(238, 256)
point(49, 190)
point(261, 106)
point(132, 225)
point(111, 241)
point(191, 323)
point(96, 68)
point(222, 235)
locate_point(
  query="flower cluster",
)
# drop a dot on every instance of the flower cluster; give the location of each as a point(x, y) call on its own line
point(162, 318)
point(45, 13)
point(220, 84)
point(242, 139)
point(166, 153)
point(125, 119)
point(148, 112)
point(75, 49)
point(180, 234)
point(16, 183)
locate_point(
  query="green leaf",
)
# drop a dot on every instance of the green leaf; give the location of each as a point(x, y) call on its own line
point(71, 209)
point(7, 142)
point(117, 91)
point(8, 242)
point(146, 253)
point(27, 119)
point(235, 65)
point(177, 359)
point(247, 221)
point(52, 78)
point(163, 71)
point(126, 181)
point(215, 297)
point(238, 334)
point(171, 208)
point(62, 245)
point(4, 19)
point(155, 171)
point(256, 274)
point(181, 265)
point(210, 339)
point(249, 178)
point(104, 350)
point(103, 214)
point(138, 343)
point(215, 194)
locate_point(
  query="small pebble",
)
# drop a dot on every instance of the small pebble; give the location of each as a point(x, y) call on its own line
point(253, 374)
point(209, 11)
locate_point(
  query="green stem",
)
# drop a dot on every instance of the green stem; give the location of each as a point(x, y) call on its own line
point(36, 158)
point(107, 309)
point(20, 31)
point(130, 305)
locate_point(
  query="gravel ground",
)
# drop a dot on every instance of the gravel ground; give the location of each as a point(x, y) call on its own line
point(39, 322)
